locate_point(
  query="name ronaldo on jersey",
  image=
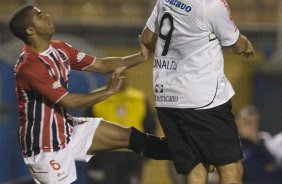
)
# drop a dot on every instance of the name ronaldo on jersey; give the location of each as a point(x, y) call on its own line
point(165, 64)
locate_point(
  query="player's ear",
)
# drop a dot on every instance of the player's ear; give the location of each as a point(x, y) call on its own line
point(30, 31)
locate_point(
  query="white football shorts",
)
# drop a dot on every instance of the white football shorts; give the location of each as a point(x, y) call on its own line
point(59, 167)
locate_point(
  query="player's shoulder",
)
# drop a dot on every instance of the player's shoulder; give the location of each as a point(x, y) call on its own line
point(62, 46)
point(28, 58)
point(212, 1)
point(215, 8)
point(28, 61)
point(215, 4)
point(60, 43)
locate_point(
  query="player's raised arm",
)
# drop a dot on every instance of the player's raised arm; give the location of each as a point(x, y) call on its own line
point(109, 64)
point(149, 38)
point(75, 100)
point(243, 47)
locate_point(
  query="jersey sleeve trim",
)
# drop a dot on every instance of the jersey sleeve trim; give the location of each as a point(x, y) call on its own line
point(232, 41)
point(61, 97)
point(150, 26)
point(89, 64)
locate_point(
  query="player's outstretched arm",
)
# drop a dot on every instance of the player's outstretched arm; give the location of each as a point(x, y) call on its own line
point(75, 100)
point(149, 39)
point(109, 64)
point(243, 47)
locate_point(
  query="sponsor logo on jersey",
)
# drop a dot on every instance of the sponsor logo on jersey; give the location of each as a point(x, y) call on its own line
point(178, 6)
point(165, 64)
point(160, 96)
point(159, 88)
point(166, 98)
point(80, 56)
point(56, 84)
point(60, 174)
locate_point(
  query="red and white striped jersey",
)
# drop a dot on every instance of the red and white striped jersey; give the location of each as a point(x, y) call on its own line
point(41, 81)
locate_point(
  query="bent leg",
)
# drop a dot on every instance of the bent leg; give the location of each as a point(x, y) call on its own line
point(231, 173)
point(149, 145)
point(109, 136)
point(198, 175)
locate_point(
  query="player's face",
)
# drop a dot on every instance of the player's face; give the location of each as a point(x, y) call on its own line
point(43, 23)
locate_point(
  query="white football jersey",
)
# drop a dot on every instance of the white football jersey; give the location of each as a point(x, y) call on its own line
point(188, 66)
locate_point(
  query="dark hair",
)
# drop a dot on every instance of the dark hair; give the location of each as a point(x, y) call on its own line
point(20, 20)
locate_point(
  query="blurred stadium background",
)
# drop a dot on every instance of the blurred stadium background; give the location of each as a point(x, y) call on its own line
point(111, 28)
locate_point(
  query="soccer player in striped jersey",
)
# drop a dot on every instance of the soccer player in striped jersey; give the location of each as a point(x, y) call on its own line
point(192, 93)
point(50, 139)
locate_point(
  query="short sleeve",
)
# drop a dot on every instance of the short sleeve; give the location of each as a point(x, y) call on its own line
point(36, 76)
point(152, 22)
point(79, 60)
point(220, 21)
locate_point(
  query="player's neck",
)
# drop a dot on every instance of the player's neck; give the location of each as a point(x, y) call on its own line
point(40, 44)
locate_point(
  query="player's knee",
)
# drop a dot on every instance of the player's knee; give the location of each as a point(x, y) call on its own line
point(231, 173)
point(199, 170)
point(126, 133)
point(198, 175)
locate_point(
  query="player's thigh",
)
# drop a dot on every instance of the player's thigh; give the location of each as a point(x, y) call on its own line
point(231, 173)
point(198, 175)
point(184, 153)
point(110, 136)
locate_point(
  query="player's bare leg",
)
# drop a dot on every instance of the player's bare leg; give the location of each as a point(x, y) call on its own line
point(198, 175)
point(231, 173)
point(110, 136)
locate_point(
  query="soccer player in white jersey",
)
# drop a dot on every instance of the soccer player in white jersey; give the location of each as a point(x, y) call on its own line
point(192, 93)
point(50, 139)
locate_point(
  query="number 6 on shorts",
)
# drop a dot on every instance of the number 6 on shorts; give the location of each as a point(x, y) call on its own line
point(56, 166)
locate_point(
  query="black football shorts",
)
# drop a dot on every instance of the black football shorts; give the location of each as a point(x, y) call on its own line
point(207, 136)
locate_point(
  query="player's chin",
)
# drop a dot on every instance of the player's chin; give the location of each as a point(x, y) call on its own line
point(52, 30)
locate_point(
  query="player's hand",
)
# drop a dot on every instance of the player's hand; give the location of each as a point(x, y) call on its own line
point(250, 50)
point(116, 80)
point(145, 51)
